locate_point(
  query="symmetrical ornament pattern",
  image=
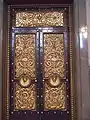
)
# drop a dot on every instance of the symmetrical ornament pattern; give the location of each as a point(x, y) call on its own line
point(55, 97)
point(39, 18)
point(25, 55)
point(54, 72)
point(25, 72)
point(54, 80)
point(25, 81)
point(54, 62)
point(25, 98)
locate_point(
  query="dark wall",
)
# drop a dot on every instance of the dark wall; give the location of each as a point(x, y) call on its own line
point(39, 1)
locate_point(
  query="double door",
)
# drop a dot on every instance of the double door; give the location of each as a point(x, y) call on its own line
point(39, 74)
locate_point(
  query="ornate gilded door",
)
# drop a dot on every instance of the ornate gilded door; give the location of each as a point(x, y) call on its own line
point(39, 66)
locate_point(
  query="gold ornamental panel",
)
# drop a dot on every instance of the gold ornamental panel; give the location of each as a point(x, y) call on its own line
point(25, 72)
point(39, 18)
point(55, 97)
point(54, 62)
point(25, 98)
point(54, 72)
point(25, 55)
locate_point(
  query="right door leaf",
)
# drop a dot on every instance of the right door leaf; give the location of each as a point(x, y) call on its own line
point(54, 72)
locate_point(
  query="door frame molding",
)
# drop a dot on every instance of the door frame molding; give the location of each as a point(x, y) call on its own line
point(5, 98)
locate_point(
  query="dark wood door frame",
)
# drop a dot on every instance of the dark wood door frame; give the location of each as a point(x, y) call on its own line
point(39, 6)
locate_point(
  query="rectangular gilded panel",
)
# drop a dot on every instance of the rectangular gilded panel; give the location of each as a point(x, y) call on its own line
point(54, 62)
point(39, 18)
point(54, 72)
point(55, 97)
point(25, 72)
point(25, 98)
point(25, 55)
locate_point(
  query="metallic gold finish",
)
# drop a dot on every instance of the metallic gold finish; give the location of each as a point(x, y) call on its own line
point(54, 55)
point(25, 81)
point(25, 55)
point(25, 22)
point(25, 98)
point(39, 18)
point(25, 71)
point(54, 80)
point(54, 70)
point(55, 97)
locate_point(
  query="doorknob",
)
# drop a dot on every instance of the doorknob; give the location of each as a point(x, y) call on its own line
point(54, 80)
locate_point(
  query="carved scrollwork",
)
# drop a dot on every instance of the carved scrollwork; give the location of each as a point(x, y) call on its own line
point(25, 98)
point(25, 55)
point(55, 97)
point(54, 72)
point(54, 62)
point(39, 18)
point(25, 72)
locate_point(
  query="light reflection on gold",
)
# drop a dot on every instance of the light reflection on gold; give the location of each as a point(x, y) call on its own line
point(54, 80)
point(25, 81)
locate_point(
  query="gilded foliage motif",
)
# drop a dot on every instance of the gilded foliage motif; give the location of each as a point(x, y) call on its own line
point(54, 72)
point(39, 18)
point(25, 98)
point(25, 55)
point(25, 92)
point(54, 55)
point(55, 97)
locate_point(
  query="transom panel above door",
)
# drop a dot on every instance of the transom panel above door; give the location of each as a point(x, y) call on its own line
point(39, 65)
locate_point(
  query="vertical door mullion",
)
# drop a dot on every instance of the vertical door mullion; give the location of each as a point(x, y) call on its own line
point(41, 69)
point(39, 56)
point(37, 68)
